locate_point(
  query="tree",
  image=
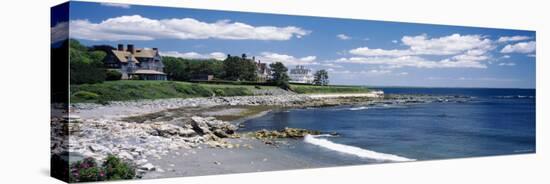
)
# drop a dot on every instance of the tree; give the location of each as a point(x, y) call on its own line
point(112, 75)
point(185, 69)
point(239, 68)
point(279, 76)
point(321, 78)
point(85, 66)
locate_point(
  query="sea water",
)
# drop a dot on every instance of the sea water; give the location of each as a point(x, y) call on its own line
point(492, 122)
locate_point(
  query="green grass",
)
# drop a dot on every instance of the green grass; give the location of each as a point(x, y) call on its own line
point(311, 89)
point(124, 90)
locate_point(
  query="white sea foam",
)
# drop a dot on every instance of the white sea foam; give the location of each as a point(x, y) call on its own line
point(358, 108)
point(354, 150)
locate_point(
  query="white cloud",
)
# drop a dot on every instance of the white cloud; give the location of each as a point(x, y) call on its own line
point(136, 27)
point(422, 45)
point(331, 65)
point(394, 41)
point(195, 55)
point(412, 61)
point(461, 51)
point(507, 64)
point(373, 72)
point(381, 72)
point(59, 32)
point(118, 5)
point(522, 47)
point(531, 55)
point(343, 37)
point(365, 51)
point(447, 45)
point(506, 56)
point(512, 38)
point(271, 57)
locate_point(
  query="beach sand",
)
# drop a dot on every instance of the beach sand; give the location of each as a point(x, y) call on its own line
point(210, 161)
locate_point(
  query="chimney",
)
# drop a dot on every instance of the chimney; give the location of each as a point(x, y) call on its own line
point(155, 49)
point(131, 48)
point(253, 58)
point(120, 47)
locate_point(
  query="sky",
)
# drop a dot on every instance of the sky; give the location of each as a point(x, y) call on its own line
point(354, 52)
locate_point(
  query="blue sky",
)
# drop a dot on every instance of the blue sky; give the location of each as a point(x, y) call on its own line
point(357, 52)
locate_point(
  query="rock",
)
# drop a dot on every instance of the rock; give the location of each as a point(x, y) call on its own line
point(97, 148)
point(220, 133)
point(141, 161)
point(148, 167)
point(200, 126)
point(285, 133)
point(125, 155)
point(166, 130)
point(186, 132)
point(217, 163)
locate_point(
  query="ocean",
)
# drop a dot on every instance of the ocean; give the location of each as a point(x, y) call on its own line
point(492, 122)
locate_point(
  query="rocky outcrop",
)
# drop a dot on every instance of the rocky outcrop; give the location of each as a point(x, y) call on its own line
point(136, 142)
point(210, 125)
point(164, 129)
point(284, 133)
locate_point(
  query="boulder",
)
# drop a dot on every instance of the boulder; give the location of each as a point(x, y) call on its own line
point(148, 167)
point(125, 155)
point(166, 130)
point(200, 126)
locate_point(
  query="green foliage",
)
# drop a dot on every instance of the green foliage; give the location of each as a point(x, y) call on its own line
point(112, 75)
point(116, 169)
point(85, 67)
point(279, 76)
point(307, 89)
point(86, 95)
point(113, 168)
point(123, 90)
point(321, 78)
point(86, 171)
point(181, 69)
point(219, 92)
point(239, 68)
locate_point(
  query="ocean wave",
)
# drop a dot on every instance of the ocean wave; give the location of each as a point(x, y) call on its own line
point(352, 150)
point(380, 106)
point(358, 108)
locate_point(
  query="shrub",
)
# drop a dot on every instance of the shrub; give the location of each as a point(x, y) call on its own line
point(112, 75)
point(116, 169)
point(86, 170)
point(86, 95)
point(219, 92)
point(113, 168)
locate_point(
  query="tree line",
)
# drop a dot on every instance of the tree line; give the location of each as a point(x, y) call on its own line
point(87, 67)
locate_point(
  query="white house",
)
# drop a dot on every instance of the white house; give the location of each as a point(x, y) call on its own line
point(300, 74)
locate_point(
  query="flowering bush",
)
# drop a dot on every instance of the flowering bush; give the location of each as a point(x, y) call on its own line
point(117, 169)
point(113, 168)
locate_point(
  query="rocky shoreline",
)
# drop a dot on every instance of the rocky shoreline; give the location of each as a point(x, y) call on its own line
point(139, 131)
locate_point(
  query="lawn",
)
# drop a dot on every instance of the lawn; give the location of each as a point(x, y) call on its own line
point(124, 90)
point(133, 90)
